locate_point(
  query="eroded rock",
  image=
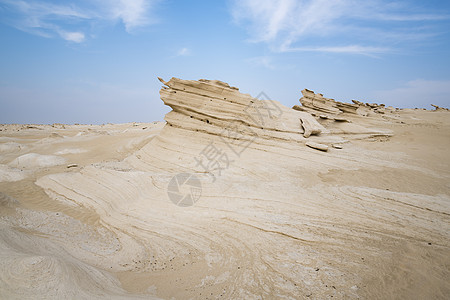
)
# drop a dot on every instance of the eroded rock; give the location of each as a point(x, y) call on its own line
point(317, 146)
point(310, 127)
point(438, 108)
point(318, 102)
point(213, 107)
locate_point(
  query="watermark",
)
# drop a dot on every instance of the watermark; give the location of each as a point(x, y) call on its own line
point(185, 189)
point(261, 111)
point(237, 137)
point(213, 160)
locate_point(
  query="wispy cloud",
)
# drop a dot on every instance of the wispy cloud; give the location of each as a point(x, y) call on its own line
point(351, 49)
point(183, 52)
point(133, 13)
point(417, 93)
point(72, 20)
point(412, 17)
point(319, 25)
point(263, 61)
point(76, 37)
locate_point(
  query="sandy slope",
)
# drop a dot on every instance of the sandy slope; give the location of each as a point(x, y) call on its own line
point(282, 220)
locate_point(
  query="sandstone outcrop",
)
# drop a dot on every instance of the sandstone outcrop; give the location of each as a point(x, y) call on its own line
point(341, 118)
point(438, 108)
point(216, 109)
point(212, 107)
point(317, 105)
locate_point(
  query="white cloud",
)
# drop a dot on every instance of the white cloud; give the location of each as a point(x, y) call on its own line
point(183, 52)
point(71, 21)
point(133, 13)
point(288, 25)
point(417, 93)
point(352, 49)
point(287, 19)
point(76, 37)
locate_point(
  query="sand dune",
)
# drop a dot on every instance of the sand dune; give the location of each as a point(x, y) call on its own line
point(230, 198)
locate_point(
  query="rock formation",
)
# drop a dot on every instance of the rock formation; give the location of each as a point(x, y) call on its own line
point(210, 106)
point(438, 108)
point(317, 105)
point(214, 108)
point(320, 106)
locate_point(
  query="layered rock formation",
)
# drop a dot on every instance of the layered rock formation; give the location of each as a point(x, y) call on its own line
point(212, 106)
point(318, 105)
point(438, 108)
point(317, 102)
point(215, 108)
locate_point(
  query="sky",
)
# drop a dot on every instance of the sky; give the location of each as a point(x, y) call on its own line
point(97, 61)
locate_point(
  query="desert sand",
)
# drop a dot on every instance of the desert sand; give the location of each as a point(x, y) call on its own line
point(232, 197)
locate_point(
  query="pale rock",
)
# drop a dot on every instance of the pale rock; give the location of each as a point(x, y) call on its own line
point(317, 146)
point(34, 160)
point(310, 127)
point(212, 107)
point(318, 102)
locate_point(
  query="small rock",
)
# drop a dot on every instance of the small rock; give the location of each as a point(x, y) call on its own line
point(337, 146)
point(72, 166)
point(317, 146)
point(339, 119)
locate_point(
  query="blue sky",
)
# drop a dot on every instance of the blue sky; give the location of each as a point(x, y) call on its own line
point(97, 61)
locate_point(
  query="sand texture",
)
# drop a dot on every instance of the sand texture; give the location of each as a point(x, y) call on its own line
point(232, 197)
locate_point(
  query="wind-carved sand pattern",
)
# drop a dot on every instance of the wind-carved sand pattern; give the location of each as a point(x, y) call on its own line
point(327, 199)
